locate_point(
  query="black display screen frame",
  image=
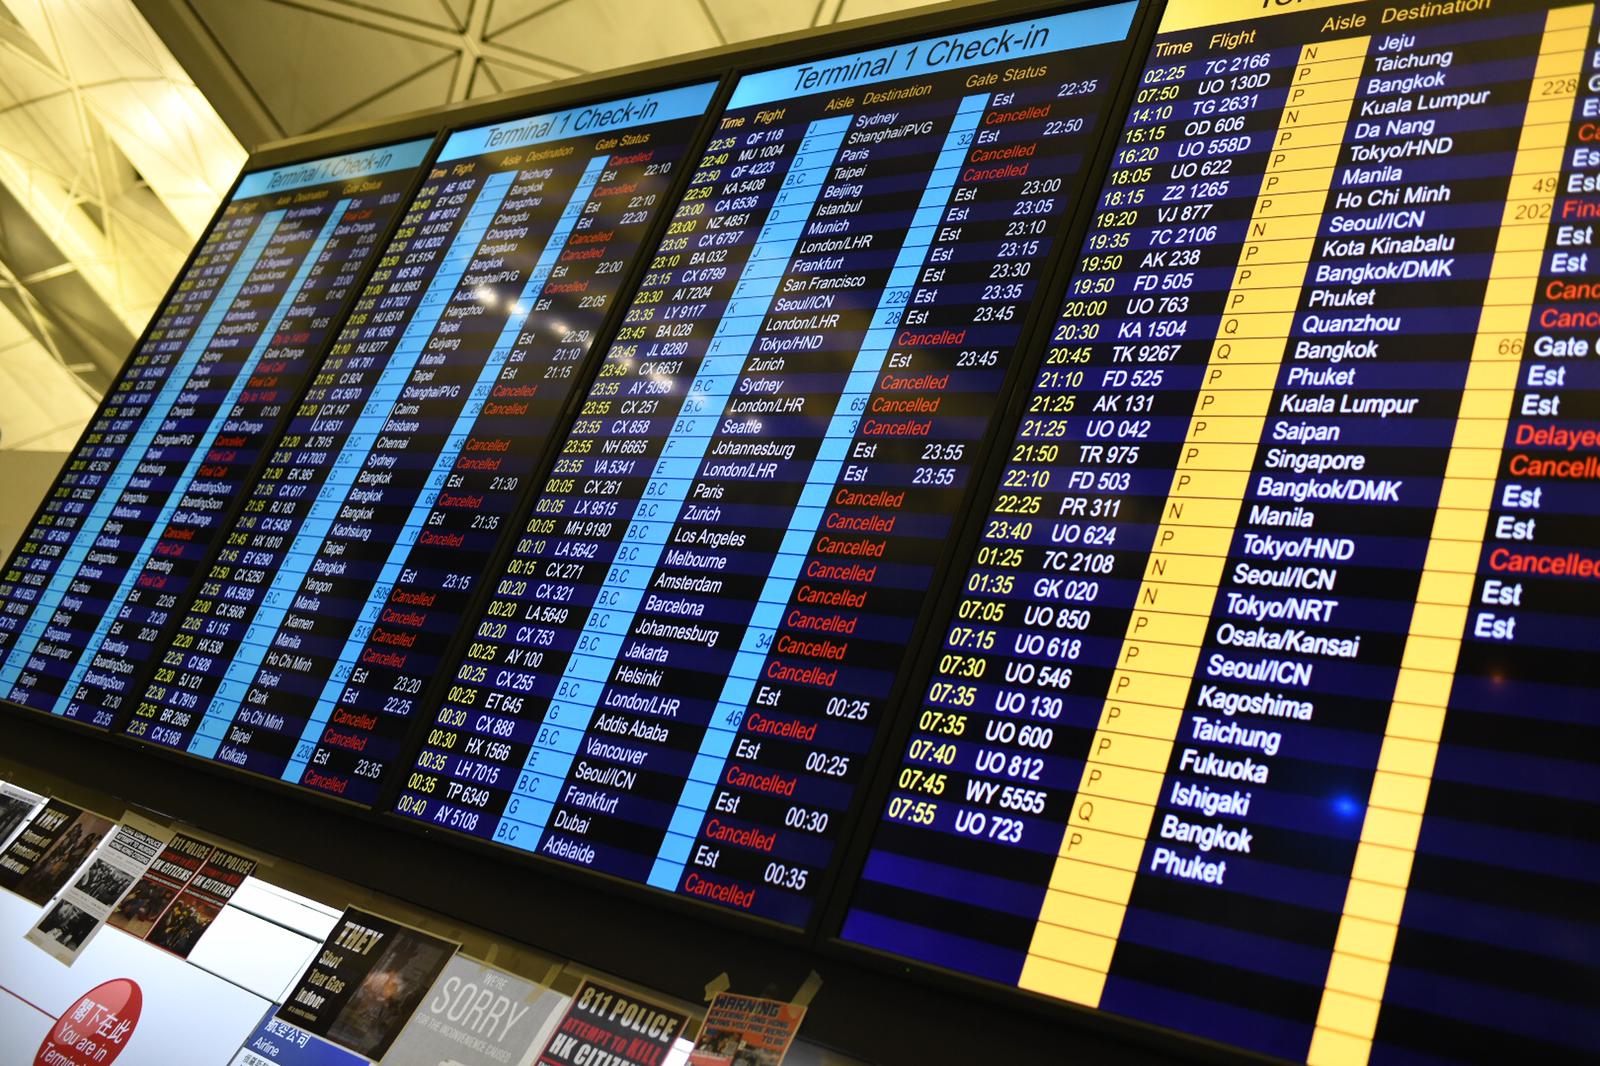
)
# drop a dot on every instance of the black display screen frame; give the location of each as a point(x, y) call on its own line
point(127, 761)
point(830, 942)
point(357, 141)
point(1041, 314)
point(438, 127)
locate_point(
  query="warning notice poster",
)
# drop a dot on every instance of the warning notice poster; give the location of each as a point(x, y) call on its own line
point(746, 1031)
point(604, 1025)
point(365, 982)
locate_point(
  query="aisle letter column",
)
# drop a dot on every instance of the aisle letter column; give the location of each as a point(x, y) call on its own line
point(1359, 969)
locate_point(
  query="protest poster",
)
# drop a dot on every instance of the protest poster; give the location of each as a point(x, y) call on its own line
point(192, 910)
point(49, 849)
point(618, 1028)
point(477, 1015)
point(365, 981)
point(75, 916)
point(746, 1031)
point(170, 874)
point(17, 805)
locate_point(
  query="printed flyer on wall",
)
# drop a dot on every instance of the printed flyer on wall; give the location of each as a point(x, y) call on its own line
point(605, 1025)
point(178, 899)
point(477, 1015)
point(746, 1031)
point(170, 874)
point(49, 849)
point(77, 914)
point(17, 805)
point(365, 982)
point(136, 1005)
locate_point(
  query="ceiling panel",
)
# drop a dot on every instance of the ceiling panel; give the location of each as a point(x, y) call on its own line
point(416, 92)
point(439, 14)
point(300, 66)
point(125, 84)
point(494, 77)
point(741, 20)
point(311, 68)
point(111, 162)
point(42, 407)
point(597, 34)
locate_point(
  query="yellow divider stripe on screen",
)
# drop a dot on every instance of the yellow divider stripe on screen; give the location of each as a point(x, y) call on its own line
point(1347, 1018)
point(1183, 15)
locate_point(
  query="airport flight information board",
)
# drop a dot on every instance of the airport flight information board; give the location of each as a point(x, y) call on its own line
point(1240, 681)
point(1267, 710)
point(680, 671)
point(137, 508)
point(303, 650)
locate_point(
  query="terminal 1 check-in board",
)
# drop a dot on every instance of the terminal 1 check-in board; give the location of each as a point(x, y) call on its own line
point(682, 667)
point(302, 653)
point(1265, 712)
point(1231, 674)
point(135, 513)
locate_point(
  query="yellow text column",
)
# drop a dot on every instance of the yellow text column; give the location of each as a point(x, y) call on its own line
point(1359, 969)
point(1070, 954)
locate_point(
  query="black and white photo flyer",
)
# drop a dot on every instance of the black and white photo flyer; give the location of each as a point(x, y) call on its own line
point(72, 918)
